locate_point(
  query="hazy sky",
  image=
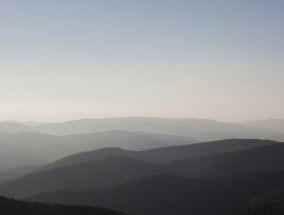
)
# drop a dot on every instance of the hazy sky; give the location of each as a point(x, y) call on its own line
point(69, 59)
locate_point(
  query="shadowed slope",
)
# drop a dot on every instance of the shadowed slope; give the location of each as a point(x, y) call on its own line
point(274, 200)
point(167, 195)
point(269, 157)
point(104, 173)
point(14, 207)
point(92, 175)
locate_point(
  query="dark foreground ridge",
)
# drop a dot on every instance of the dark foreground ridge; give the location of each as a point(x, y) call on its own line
point(170, 195)
point(15, 207)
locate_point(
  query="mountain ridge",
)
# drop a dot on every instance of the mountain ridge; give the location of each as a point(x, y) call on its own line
point(200, 129)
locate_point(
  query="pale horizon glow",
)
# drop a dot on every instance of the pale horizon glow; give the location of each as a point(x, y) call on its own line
point(64, 60)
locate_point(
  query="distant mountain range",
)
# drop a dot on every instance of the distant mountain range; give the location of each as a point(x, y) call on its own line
point(276, 125)
point(35, 148)
point(200, 129)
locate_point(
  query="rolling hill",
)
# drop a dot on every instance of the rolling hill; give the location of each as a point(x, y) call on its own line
point(165, 154)
point(91, 175)
point(17, 172)
point(269, 157)
point(34, 148)
point(110, 171)
point(13, 155)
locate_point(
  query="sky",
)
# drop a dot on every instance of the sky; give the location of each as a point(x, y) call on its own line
point(71, 59)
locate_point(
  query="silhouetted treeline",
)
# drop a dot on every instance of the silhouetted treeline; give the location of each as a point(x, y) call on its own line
point(15, 207)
